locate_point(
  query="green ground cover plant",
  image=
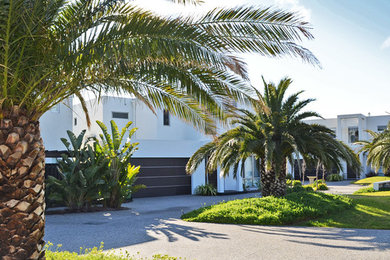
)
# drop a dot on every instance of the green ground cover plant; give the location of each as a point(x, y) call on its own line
point(294, 207)
point(206, 190)
point(365, 190)
point(371, 180)
point(334, 177)
point(370, 211)
point(97, 254)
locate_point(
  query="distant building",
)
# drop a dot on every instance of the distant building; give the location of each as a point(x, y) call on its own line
point(351, 128)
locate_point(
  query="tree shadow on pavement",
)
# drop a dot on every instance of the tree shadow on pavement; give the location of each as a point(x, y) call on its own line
point(173, 231)
point(362, 239)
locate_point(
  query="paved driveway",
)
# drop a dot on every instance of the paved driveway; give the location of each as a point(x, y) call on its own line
point(343, 187)
point(152, 226)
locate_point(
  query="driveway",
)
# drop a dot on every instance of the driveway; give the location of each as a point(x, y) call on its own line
point(343, 187)
point(152, 225)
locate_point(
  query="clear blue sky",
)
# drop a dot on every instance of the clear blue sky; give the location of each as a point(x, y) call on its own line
point(350, 42)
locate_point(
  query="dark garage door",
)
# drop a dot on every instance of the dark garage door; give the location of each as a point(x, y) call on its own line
point(162, 177)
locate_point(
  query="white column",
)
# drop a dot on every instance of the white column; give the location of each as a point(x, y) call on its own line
point(198, 177)
point(220, 182)
point(239, 182)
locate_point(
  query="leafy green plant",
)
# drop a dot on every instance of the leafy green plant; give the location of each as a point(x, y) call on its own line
point(96, 254)
point(321, 186)
point(272, 132)
point(299, 188)
point(293, 183)
point(120, 175)
point(289, 176)
point(334, 177)
point(371, 174)
point(81, 174)
point(206, 190)
point(365, 190)
point(292, 208)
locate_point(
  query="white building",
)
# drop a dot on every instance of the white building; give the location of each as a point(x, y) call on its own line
point(351, 128)
point(165, 143)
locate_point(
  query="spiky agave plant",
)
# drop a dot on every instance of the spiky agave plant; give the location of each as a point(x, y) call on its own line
point(53, 49)
point(272, 132)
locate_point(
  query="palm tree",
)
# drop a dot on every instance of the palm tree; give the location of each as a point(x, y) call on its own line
point(272, 133)
point(53, 49)
point(378, 149)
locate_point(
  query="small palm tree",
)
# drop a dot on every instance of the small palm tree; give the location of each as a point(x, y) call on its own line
point(272, 133)
point(53, 49)
point(378, 149)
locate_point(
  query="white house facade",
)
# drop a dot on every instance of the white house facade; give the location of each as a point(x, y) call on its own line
point(165, 144)
point(351, 128)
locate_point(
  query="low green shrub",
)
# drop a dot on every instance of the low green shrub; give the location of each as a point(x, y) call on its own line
point(97, 254)
point(321, 186)
point(206, 190)
point(289, 176)
point(365, 190)
point(292, 208)
point(371, 174)
point(293, 183)
point(369, 190)
point(299, 188)
point(334, 177)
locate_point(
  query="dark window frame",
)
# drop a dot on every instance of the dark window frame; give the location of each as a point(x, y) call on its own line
point(166, 118)
point(120, 115)
point(381, 128)
point(355, 136)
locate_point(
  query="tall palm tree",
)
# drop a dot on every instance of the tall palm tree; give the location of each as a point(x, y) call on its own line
point(53, 49)
point(272, 133)
point(378, 149)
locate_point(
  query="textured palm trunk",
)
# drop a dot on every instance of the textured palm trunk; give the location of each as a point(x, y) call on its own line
point(266, 179)
point(22, 203)
point(274, 184)
point(280, 186)
point(317, 171)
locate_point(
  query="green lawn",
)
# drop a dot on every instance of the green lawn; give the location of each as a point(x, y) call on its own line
point(366, 210)
point(295, 207)
point(371, 211)
point(371, 180)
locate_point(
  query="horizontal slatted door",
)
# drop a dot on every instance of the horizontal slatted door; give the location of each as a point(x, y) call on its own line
point(162, 177)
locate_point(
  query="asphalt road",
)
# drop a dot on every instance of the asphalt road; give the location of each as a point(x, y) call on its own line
point(152, 225)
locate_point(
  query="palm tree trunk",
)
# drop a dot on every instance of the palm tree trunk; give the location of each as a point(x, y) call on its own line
point(266, 178)
point(303, 171)
point(279, 187)
point(22, 174)
point(317, 170)
point(323, 172)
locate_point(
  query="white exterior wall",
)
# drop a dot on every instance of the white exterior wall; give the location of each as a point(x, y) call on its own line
point(364, 123)
point(54, 124)
point(178, 140)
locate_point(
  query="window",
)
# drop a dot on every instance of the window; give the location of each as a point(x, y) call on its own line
point(121, 115)
point(166, 117)
point(251, 174)
point(75, 121)
point(353, 134)
point(381, 128)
